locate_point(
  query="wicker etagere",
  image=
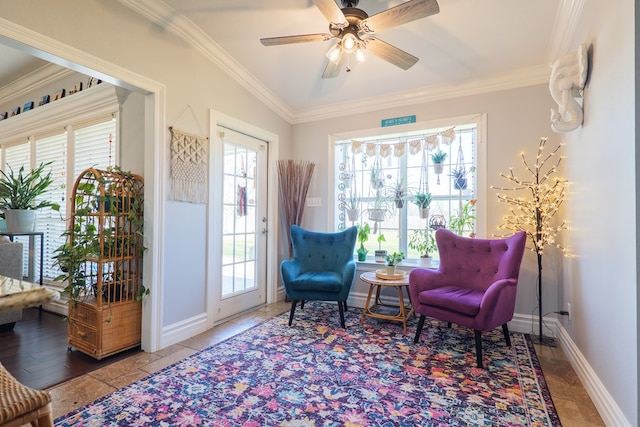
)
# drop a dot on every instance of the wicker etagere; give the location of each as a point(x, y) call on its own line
point(107, 216)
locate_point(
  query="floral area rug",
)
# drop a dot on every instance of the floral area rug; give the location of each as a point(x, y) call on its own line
point(317, 374)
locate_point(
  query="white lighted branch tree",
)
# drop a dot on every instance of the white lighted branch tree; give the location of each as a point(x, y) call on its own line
point(533, 212)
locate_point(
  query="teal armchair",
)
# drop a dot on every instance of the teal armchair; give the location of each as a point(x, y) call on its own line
point(322, 268)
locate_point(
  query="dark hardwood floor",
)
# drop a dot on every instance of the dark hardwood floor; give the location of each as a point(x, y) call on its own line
point(36, 351)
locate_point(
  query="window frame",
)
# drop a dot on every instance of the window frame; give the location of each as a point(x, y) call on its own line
point(410, 131)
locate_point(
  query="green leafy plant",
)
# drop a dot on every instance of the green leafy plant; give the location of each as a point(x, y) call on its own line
point(363, 236)
point(438, 157)
point(394, 258)
point(19, 191)
point(464, 219)
point(422, 200)
point(381, 239)
point(422, 242)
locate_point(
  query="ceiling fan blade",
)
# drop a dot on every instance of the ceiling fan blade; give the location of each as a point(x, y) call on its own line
point(332, 12)
point(333, 68)
point(304, 38)
point(398, 15)
point(389, 53)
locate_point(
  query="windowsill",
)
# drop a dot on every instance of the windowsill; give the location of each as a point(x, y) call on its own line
point(406, 265)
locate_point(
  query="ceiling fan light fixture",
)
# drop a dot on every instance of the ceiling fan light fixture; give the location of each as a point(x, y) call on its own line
point(334, 53)
point(359, 54)
point(349, 42)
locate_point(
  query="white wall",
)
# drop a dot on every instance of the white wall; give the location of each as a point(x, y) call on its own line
point(601, 280)
point(516, 121)
point(114, 33)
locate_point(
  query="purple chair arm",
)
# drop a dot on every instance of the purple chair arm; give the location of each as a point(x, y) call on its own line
point(497, 304)
point(422, 279)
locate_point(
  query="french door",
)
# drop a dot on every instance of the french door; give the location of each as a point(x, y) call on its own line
point(243, 246)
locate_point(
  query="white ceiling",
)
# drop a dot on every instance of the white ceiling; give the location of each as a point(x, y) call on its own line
point(470, 46)
point(469, 42)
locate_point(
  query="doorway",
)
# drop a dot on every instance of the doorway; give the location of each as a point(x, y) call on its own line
point(241, 242)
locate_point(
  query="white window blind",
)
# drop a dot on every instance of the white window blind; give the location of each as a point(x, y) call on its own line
point(52, 149)
point(95, 146)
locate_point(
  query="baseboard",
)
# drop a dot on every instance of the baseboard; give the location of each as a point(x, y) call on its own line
point(180, 331)
point(605, 404)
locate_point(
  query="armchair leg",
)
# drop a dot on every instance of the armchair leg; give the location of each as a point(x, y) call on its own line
point(505, 331)
point(301, 304)
point(479, 348)
point(419, 330)
point(293, 310)
point(345, 305)
point(341, 308)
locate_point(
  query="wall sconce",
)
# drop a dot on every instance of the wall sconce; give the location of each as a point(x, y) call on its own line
point(567, 81)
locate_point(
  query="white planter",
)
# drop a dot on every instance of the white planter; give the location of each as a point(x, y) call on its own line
point(438, 168)
point(424, 213)
point(20, 220)
point(352, 214)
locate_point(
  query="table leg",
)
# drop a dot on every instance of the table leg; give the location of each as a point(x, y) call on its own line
point(403, 315)
point(366, 305)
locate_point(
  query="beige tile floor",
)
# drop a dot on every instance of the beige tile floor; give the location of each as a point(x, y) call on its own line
point(570, 398)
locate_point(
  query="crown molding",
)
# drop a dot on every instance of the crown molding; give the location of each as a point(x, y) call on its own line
point(162, 14)
point(564, 29)
point(33, 81)
point(521, 78)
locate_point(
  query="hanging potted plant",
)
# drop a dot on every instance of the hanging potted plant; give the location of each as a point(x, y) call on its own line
point(422, 201)
point(438, 159)
point(18, 194)
point(377, 177)
point(378, 209)
point(459, 176)
point(363, 236)
point(397, 192)
point(351, 205)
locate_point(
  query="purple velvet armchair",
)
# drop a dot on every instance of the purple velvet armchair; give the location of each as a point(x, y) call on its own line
point(474, 287)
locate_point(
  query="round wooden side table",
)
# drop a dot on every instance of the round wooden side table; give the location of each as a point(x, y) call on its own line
point(380, 310)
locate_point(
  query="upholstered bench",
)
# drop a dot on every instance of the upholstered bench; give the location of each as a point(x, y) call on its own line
point(21, 405)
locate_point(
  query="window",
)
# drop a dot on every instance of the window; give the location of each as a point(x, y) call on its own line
point(381, 174)
point(90, 145)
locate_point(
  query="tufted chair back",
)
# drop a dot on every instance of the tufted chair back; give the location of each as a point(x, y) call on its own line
point(479, 262)
point(323, 251)
point(322, 268)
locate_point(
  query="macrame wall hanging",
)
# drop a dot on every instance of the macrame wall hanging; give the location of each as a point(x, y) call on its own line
point(188, 175)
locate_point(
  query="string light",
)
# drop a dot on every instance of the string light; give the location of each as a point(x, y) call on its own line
point(535, 215)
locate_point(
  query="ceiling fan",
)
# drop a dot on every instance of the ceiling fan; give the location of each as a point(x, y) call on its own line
point(354, 30)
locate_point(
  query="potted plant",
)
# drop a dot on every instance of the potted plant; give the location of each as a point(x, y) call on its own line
point(422, 242)
point(351, 205)
point(363, 236)
point(459, 176)
point(378, 209)
point(438, 159)
point(18, 194)
point(398, 193)
point(381, 253)
point(392, 262)
point(463, 220)
point(422, 201)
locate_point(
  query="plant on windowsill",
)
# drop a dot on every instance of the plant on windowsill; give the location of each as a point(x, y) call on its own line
point(422, 242)
point(463, 220)
point(19, 196)
point(380, 253)
point(363, 236)
point(422, 201)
